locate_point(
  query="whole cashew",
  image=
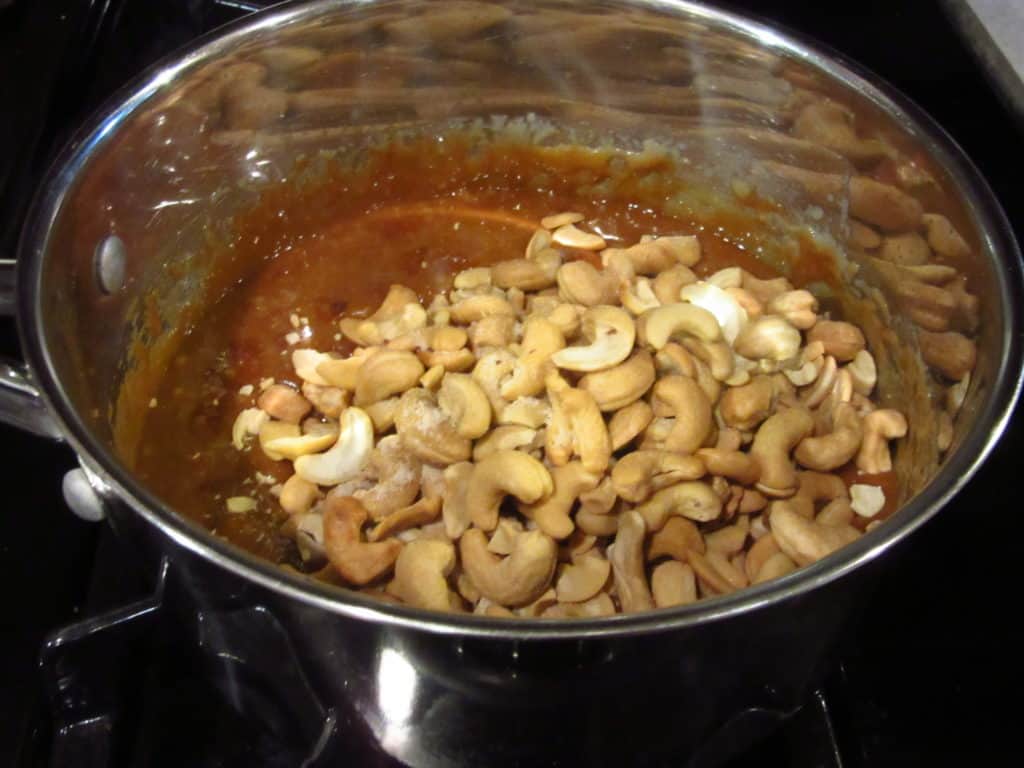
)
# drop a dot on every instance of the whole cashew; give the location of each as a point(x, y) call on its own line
point(508, 437)
point(758, 554)
point(728, 312)
point(595, 607)
point(479, 306)
point(426, 431)
point(774, 441)
point(583, 579)
point(770, 337)
point(465, 404)
point(831, 125)
point(516, 580)
point(399, 313)
point(908, 250)
point(530, 274)
point(580, 282)
point(675, 539)
point(357, 561)
point(814, 488)
point(501, 474)
point(297, 495)
point(576, 428)
point(414, 515)
point(639, 474)
point(397, 474)
point(668, 284)
point(541, 339)
point(346, 458)
point(387, 372)
point(747, 406)
point(627, 423)
point(283, 403)
point(775, 567)
point(421, 573)
point(686, 401)
point(611, 333)
point(798, 307)
point(717, 355)
point(806, 541)
point(661, 324)
point(617, 387)
point(660, 254)
point(627, 559)
point(841, 340)
point(694, 500)
point(552, 513)
point(735, 465)
point(833, 450)
point(673, 583)
point(880, 427)
point(729, 540)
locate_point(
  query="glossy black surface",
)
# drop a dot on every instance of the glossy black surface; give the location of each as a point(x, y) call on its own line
point(932, 673)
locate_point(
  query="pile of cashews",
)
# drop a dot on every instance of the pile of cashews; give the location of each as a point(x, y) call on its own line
point(554, 439)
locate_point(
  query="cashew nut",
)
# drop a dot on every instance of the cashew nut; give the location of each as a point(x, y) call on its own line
point(866, 500)
point(770, 337)
point(639, 474)
point(552, 513)
point(675, 540)
point(627, 423)
point(421, 573)
point(658, 255)
point(694, 500)
point(880, 427)
point(841, 340)
point(806, 541)
point(747, 406)
point(397, 475)
point(627, 559)
point(673, 583)
point(799, 308)
point(571, 237)
point(284, 403)
point(387, 372)
point(426, 431)
point(774, 441)
point(617, 387)
point(504, 473)
point(583, 579)
point(686, 401)
point(297, 495)
point(775, 567)
point(668, 284)
point(508, 437)
point(415, 515)
point(663, 323)
point(515, 580)
point(330, 401)
point(357, 561)
point(346, 458)
point(731, 317)
point(580, 282)
point(611, 333)
point(735, 465)
point(530, 274)
point(576, 428)
point(454, 509)
point(833, 450)
point(465, 405)
point(250, 421)
point(399, 313)
point(541, 339)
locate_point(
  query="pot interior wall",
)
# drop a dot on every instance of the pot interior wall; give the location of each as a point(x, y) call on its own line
point(216, 131)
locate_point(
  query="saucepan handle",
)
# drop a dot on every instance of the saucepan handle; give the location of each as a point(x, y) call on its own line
point(21, 405)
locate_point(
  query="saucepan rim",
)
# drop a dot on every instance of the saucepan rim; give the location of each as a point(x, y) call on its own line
point(958, 468)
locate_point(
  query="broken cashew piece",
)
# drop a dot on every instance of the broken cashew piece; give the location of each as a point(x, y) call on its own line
point(582, 579)
point(880, 427)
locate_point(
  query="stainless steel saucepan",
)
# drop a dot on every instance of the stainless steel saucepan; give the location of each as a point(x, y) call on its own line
point(111, 261)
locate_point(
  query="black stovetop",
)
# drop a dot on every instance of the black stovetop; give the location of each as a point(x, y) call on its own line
point(932, 676)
